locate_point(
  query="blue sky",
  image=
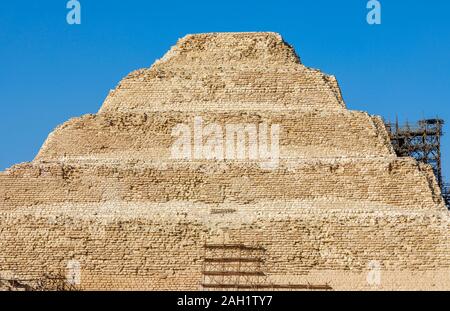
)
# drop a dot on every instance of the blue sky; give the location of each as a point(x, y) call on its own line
point(51, 71)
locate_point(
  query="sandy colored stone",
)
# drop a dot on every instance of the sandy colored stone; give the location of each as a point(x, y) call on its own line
point(104, 190)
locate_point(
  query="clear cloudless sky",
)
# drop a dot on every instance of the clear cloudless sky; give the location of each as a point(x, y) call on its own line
point(51, 71)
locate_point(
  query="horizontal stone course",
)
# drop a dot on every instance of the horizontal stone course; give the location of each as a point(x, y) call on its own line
point(105, 192)
point(149, 136)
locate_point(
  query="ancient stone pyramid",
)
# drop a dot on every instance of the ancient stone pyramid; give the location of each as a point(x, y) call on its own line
point(105, 192)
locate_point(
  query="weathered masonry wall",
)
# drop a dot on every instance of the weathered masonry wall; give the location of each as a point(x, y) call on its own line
point(401, 183)
point(104, 190)
point(149, 136)
point(227, 72)
point(314, 245)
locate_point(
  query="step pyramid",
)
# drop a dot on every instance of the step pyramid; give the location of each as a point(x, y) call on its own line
point(334, 206)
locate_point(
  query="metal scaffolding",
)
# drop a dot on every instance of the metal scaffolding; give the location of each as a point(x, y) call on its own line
point(446, 194)
point(232, 266)
point(228, 266)
point(421, 141)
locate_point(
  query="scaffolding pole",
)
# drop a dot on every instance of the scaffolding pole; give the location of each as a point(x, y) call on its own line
point(421, 141)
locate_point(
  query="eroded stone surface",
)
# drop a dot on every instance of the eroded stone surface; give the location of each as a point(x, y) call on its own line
point(105, 192)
